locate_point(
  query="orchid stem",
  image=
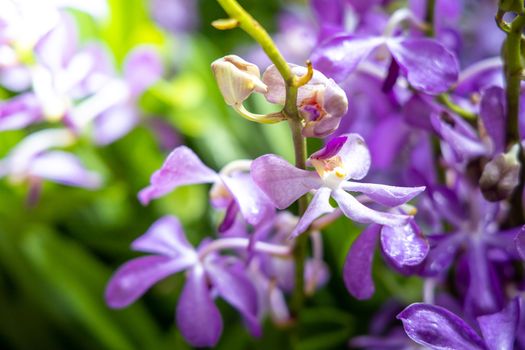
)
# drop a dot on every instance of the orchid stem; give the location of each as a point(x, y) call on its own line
point(247, 23)
point(290, 111)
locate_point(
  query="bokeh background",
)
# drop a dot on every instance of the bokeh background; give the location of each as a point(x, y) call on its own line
point(57, 255)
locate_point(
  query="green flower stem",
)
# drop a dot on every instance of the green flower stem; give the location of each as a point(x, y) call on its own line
point(444, 99)
point(246, 22)
point(513, 73)
point(429, 17)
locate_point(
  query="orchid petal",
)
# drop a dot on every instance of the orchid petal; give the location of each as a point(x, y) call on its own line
point(356, 211)
point(390, 196)
point(499, 329)
point(438, 328)
point(357, 270)
point(182, 167)
point(405, 245)
point(319, 205)
point(428, 65)
point(198, 318)
point(165, 237)
point(136, 276)
point(282, 182)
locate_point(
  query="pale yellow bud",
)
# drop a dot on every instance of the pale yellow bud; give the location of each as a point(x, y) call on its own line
point(237, 79)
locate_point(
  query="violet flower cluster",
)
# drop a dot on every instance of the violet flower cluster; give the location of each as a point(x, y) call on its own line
point(65, 89)
point(410, 124)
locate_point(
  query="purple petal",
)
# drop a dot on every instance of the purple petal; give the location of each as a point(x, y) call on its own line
point(340, 56)
point(428, 65)
point(253, 203)
point(520, 242)
point(355, 157)
point(494, 116)
point(165, 237)
point(57, 47)
point(484, 294)
point(136, 276)
point(331, 149)
point(19, 112)
point(63, 168)
point(114, 123)
point(319, 205)
point(198, 318)
point(234, 286)
point(438, 328)
point(182, 167)
point(282, 182)
point(405, 245)
point(356, 211)
point(357, 271)
point(390, 196)
point(328, 12)
point(499, 329)
point(442, 253)
point(142, 68)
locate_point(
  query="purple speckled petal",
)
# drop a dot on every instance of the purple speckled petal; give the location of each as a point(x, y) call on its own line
point(438, 328)
point(136, 276)
point(494, 116)
point(319, 205)
point(357, 271)
point(235, 287)
point(165, 237)
point(390, 196)
point(499, 329)
point(142, 68)
point(520, 243)
point(182, 167)
point(198, 318)
point(282, 182)
point(253, 203)
point(428, 65)
point(63, 168)
point(405, 245)
point(340, 56)
point(358, 212)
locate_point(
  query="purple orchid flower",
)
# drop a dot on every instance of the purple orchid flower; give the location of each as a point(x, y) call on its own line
point(437, 328)
point(428, 66)
point(34, 159)
point(343, 159)
point(233, 188)
point(402, 246)
point(198, 318)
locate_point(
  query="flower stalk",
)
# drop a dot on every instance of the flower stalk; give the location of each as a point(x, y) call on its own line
point(292, 83)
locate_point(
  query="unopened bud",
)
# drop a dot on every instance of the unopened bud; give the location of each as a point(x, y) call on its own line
point(237, 79)
point(501, 175)
point(321, 102)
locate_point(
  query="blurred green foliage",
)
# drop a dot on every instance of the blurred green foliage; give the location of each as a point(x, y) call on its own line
point(56, 256)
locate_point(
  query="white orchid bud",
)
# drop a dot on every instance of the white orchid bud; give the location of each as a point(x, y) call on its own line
point(237, 79)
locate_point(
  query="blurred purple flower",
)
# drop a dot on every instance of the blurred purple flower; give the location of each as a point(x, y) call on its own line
point(33, 159)
point(198, 318)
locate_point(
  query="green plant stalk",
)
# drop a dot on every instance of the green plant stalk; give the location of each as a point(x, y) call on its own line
point(429, 17)
point(513, 74)
point(259, 34)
